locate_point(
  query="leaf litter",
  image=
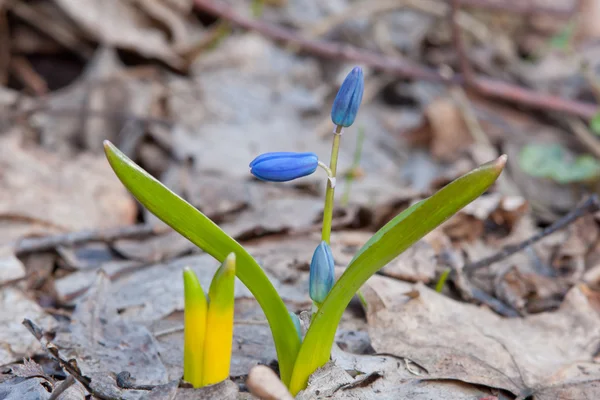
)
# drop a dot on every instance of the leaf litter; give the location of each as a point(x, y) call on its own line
point(117, 306)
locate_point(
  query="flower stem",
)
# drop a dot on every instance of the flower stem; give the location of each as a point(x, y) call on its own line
point(328, 210)
point(326, 168)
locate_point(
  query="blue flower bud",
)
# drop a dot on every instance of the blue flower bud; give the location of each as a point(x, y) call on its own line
point(297, 325)
point(347, 101)
point(283, 166)
point(321, 273)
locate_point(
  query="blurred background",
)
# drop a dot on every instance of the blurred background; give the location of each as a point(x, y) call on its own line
point(193, 90)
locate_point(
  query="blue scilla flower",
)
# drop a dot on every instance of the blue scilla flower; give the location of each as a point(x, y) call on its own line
point(283, 166)
point(321, 273)
point(348, 98)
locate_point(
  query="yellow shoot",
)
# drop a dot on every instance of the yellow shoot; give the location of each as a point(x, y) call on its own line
point(195, 311)
point(219, 337)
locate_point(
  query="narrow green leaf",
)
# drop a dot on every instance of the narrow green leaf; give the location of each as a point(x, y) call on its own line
point(204, 233)
point(391, 240)
point(439, 286)
point(194, 328)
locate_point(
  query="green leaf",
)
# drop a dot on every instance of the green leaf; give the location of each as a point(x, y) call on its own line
point(595, 124)
point(554, 162)
point(204, 233)
point(439, 286)
point(391, 240)
point(562, 41)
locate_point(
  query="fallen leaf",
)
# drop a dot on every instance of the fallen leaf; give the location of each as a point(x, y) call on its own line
point(25, 388)
point(11, 266)
point(446, 129)
point(15, 341)
point(28, 369)
point(462, 342)
point(119, 24)
point(104, 344)
point(70, 194)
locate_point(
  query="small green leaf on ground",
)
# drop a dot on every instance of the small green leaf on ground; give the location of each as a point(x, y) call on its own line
point(555, 162)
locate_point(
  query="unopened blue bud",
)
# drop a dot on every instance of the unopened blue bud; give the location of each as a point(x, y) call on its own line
point(321, 273)
point(297, 325)
point(347, 101)
point(283, 166)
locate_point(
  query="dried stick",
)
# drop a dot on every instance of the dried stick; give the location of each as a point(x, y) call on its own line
point(32, 245)
point(64, 385)
point(521, 7)
point(69, 366)
point(321, 48)
point(493, 88)
point(591, 205)
point(403, 68)
point(459, 45)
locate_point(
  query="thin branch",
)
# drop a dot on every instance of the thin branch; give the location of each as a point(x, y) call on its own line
point(591, 205)
point(69, 366)
point(397, 67)
point(459, 45)
point(64, 385)
point(32, 245)
point(126, 381)
point(82, 112)
point(321, 48)
point(522, 7)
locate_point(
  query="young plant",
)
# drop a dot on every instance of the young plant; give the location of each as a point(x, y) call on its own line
point(208, 326)
point(298, 358)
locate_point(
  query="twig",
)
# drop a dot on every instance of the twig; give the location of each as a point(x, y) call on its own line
point(437, 8)
point(403, 68)
point(64, 385)
point(463, 61)
point(125, 381)
point(320, 48)
point(521, 7)
point(28, 76)
point(83, 112)
point(32, 245)
point(69, 366)
point(584, 135)
point(591, 205)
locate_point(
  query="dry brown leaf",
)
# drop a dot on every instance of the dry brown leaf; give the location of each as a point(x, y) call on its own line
point(15, 341)
point(383, 377)
point(501, 212)
point(117, 23)
point(544, 353)
point(12, 268)
point(417, 264)
point(46, 194)
point(589, 14)
point(113, 98)
point(28, 369)
point(104, 344)
point(444, 128)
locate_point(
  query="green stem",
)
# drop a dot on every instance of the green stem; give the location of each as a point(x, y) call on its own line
point(328, 210)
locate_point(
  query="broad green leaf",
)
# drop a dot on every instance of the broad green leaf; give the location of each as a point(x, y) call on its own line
point(554, 162)
point(391, 240)
point(204, 233)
